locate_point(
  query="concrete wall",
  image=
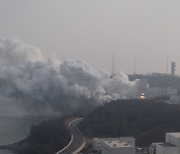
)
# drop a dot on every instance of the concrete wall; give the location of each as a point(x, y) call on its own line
point(96, 144)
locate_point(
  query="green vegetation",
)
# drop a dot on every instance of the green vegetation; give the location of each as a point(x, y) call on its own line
point(46, 138)
point(146, 120)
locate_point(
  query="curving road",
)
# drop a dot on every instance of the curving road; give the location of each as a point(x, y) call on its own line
point(77, 139)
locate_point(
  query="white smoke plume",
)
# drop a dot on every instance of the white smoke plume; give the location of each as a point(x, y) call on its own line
point(27, 76)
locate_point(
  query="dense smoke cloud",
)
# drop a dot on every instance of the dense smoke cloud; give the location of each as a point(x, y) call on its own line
point(40, 83)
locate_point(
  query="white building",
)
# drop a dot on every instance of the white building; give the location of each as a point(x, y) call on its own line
point(174, 95)
point(97, 144)
point(163, 148)
point(152, 92)
point(152, 148)
point(117, 147)
point(114, 145)
point(171, 146)
point(174, 139)
point(175, 98)
point(172, 91)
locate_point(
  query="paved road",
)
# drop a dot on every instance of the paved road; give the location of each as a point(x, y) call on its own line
point(77, 139)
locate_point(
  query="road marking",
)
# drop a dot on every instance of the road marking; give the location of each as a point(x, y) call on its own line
point(79, 149)
point(72, 137)
point(82, 146)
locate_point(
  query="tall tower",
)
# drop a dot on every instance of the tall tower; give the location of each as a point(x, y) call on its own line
point(113, 66)
point(173, 68)
point(134, 63)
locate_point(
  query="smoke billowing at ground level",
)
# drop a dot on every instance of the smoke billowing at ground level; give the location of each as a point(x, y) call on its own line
point(50, 84)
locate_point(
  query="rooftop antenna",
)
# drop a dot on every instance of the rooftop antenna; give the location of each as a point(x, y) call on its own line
point(134, 63)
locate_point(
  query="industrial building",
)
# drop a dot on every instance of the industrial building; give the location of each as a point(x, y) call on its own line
point(122, 145)
point(175, 99)
point(171, 145)
point(146, 92)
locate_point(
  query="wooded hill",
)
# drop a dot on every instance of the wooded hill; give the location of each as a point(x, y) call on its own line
point(147, 121)
point(45, 138)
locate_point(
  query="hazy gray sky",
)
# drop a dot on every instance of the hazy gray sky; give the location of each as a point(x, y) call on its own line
point(92, 29)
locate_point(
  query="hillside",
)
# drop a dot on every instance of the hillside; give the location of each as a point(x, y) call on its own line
point(45, 138)
point(146, 120)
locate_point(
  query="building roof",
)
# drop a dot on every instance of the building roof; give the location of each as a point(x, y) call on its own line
point(106, 139)
point(116, 144)
point(120, 138)
point(177, 134)
point(167, 145)
point(162, 144)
